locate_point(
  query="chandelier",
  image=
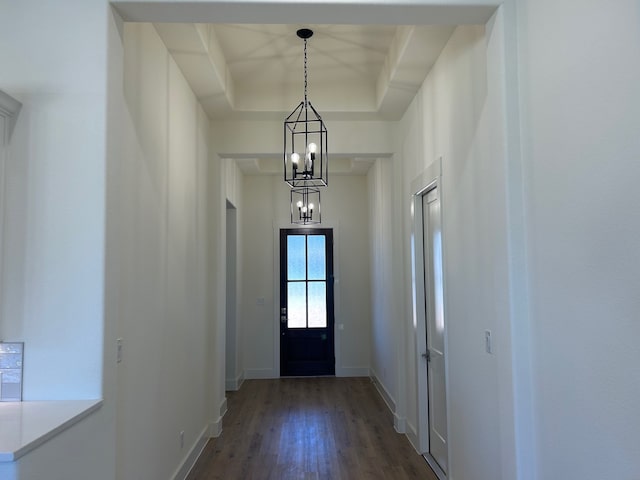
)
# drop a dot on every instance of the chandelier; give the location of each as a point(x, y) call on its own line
point(305, 205)
point(306, 162)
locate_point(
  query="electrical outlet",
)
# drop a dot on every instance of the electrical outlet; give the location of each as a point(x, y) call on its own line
point(182, 439)
point(119, 350)
point(487, 341)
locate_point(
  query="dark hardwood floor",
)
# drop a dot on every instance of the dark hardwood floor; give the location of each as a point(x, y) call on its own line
point(309, 428)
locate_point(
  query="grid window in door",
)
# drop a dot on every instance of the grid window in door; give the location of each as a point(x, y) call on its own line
point(306, 281)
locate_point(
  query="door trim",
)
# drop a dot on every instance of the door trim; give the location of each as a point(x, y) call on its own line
point(429, 179)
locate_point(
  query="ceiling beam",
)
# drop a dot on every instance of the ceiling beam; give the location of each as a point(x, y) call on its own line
point(381, 12)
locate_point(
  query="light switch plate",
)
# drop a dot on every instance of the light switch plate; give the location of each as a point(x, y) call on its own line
point(119, 350)
point(487, 341)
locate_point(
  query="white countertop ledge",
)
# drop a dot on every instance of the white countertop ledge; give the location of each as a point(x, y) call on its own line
point(26, 425)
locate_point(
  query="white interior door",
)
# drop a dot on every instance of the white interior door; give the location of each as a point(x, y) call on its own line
point(435, 328)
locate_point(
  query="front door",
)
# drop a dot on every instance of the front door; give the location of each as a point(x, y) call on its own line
point(306, 302)
point(435, 341)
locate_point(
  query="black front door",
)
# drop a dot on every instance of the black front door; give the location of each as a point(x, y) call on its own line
point(306, 302)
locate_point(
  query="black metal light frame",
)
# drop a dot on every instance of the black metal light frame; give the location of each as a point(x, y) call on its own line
point(304, 128)
point(305, 206)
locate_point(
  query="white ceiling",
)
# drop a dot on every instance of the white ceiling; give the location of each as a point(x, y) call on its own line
point(367, 58)
point(355, 72)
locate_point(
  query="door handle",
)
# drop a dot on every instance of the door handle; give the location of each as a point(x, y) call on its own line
point(427, 355)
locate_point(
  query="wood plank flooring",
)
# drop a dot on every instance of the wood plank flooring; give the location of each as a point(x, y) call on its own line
point(309, 429)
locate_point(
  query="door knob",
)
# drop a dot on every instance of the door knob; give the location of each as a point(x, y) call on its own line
point(427, 355)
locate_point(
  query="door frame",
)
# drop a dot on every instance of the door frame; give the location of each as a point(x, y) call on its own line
point(232, 351)
point(327, 233)
point(429, 179)
point(337, 337)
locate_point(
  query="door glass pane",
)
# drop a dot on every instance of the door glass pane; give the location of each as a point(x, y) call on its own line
point(317, 304)
point(296, 305)
point(317, 260)
point(296, 257)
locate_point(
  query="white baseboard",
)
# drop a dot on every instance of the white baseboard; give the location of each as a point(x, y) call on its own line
point(384, 393)
point(223, 407)
point(234, 384)
point(255, 373)
point(399, 423)
point(192, 457)
point(412, 435)
point(215, 428)
point(260, 373)
point(352, 371)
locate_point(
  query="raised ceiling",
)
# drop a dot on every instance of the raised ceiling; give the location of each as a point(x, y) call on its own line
point(366, 60)
point(356, 72)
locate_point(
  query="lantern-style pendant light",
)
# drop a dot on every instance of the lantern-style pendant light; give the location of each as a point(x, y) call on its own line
point(306, 161)
point(305, 205)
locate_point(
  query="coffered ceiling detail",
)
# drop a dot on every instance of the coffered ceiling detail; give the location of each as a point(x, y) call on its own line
point(356, 72)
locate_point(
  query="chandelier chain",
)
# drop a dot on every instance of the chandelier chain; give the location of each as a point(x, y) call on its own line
point(305, 72)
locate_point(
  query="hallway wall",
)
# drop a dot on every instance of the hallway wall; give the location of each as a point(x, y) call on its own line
point(52, 294)
point(458, 116)
point(234, 338)
point(387, 332)
point(158, 195)
point(224, 183)
point(580, 71)
point(345, 209)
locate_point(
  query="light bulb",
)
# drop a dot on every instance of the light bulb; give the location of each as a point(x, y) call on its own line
point(295, 158)
point(311, 206)
point(299, 204)
point(304, 209)
point(311, 153)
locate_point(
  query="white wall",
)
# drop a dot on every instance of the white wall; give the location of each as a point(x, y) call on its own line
point(91, 444)
point(580, 72)
point(4, 158)
point(458, 115)
point(344, 208)
point(254, 139)
point(157, 198)
point(55, 212)
point(409, 152)
point(386, 322)
point(234, 367)
point(54, 230)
